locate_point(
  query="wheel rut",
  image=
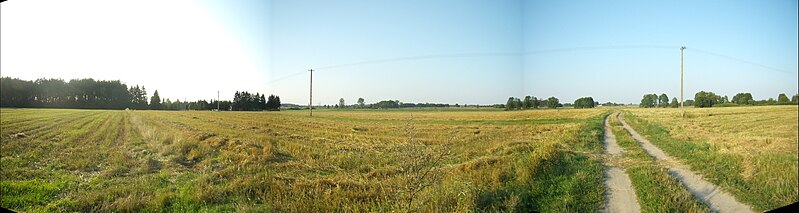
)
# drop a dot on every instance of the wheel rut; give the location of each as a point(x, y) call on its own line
point(620, 195)
point(712, 195)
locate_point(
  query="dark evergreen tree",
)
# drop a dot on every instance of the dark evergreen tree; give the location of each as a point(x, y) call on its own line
point(155, 101)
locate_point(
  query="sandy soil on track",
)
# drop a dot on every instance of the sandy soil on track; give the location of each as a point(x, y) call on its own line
point(710, 194)
point(620, 195)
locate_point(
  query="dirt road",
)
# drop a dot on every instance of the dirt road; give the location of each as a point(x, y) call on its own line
point(620, 196)
point(710, 194)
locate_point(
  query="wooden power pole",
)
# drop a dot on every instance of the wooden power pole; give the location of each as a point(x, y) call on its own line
point(310, 102)
point(682, 99)
point(217, 100)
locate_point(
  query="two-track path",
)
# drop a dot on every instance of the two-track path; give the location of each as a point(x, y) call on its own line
point(710, 194)
point(620, 195)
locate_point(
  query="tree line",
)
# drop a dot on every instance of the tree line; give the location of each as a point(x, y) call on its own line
point(245, 101)
point(88, 93)
point(710, 99)
point(389, 104)
point(77, 93)
point(662, 101)
point(531, 102)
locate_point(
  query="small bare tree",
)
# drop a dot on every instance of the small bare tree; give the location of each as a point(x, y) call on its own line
point(423, 167)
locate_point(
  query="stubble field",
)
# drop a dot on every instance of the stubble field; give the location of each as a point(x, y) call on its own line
point(427, 160)
point(751, 152)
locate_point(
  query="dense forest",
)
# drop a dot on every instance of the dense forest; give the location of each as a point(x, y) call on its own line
point(101, 94)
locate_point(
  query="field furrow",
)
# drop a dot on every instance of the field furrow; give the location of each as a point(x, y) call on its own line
point(429, 161)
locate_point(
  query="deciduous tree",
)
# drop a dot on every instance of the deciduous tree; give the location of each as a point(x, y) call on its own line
point(552, 102)
point(663, 100)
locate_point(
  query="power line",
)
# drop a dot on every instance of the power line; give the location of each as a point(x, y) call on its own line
point(465, 55)
point(742, 61)
point(535, 52)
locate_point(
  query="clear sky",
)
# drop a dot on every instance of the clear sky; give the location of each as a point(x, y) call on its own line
point(445, 51)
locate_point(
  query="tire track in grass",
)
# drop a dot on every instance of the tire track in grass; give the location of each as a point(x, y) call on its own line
point(649, 177)
point(620, 196)
point(710, 194)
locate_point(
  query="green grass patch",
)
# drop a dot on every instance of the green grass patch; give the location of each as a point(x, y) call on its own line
point(770, 187)
point(26, 194)
point(670, 194)
point(647, 178)
point(576, 182)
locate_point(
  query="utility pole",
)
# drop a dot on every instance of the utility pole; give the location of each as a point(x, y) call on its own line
point(310, 102)
point(217, 100)
point(682, 100)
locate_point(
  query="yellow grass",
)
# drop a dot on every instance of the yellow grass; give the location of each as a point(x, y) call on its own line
point(750, 151)
point(284, 161)
point(744, 131)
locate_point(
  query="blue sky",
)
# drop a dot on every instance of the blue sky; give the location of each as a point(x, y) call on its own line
point(450, 51)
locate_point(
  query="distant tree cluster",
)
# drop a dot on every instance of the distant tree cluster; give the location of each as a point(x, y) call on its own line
point(245, 101)
point(584, 102)
point(427, 105)
point(662, 101)
point(710, 99)
point(513, 104)
point(649, 101)
point(387, 104)
point(530, 102)
point(612, 104)
point(743, 98)
point(273, 103)
point(77, 93)
point(706, 99)
point(552, 103)
point(196, 105)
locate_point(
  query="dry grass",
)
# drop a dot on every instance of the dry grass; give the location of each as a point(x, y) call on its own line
point(751, 151)
point(368, 160)
point(745, 131)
